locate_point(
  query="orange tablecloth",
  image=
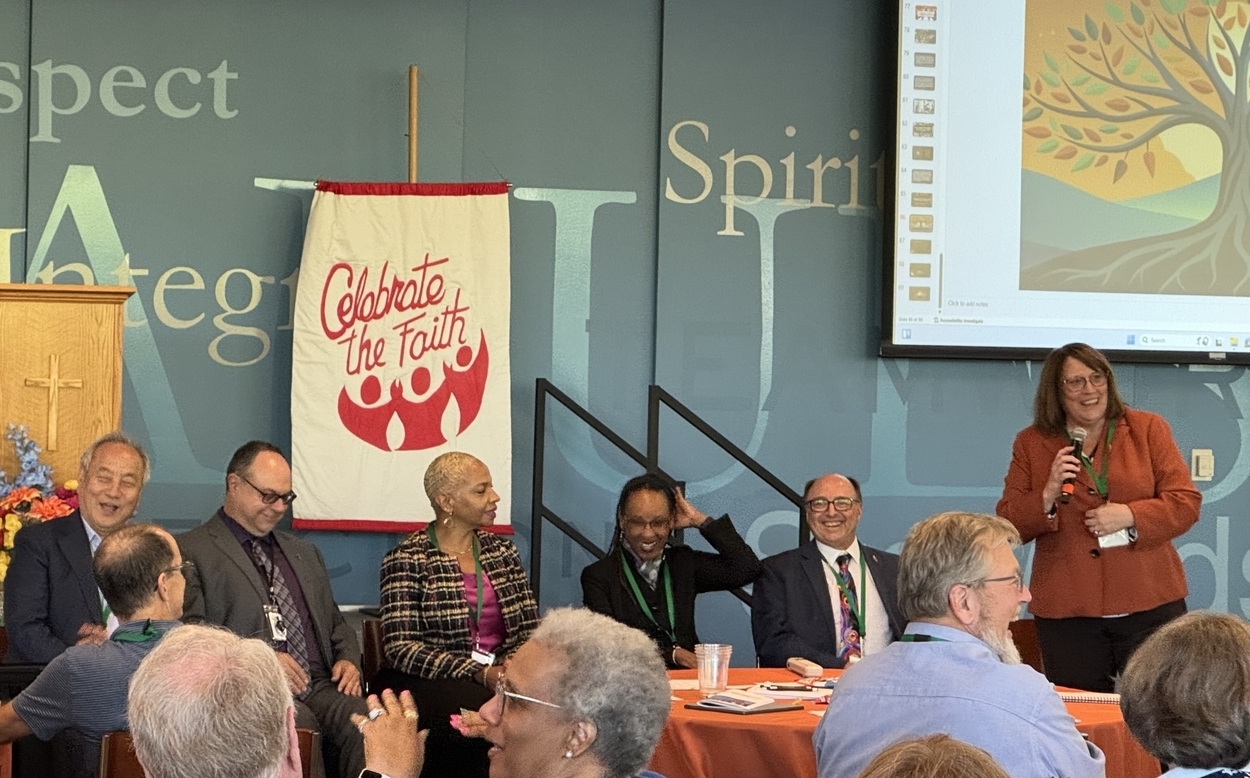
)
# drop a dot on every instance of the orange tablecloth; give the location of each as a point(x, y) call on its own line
point(706, 744)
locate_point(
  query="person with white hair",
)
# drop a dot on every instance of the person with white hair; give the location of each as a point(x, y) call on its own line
point(585, 696)
point(955, 670)
point(206, 703)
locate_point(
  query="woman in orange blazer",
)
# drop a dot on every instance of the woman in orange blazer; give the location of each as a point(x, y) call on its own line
point(1105, 573)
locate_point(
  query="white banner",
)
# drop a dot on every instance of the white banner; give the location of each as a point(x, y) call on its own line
point(400, 350)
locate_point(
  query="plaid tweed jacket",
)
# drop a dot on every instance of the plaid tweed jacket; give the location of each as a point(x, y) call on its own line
point(425, 616)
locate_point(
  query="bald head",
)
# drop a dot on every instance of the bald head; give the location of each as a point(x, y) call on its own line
point(833, 506)
point(128, 568)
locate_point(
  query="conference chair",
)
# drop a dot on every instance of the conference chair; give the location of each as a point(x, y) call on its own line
point(1024, 635)
point(373, 656)
point(117, 756)
point(118, 760)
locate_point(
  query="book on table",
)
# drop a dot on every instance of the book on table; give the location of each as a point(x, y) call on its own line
point(741, 701)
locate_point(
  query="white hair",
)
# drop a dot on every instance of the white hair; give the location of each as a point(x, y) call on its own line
point(209, 704)
point(613, 677)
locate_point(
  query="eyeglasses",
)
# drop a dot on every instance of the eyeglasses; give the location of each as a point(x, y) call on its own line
point(181, 570)
point(1077, 383)
point(1017, 580)
point(821, 504)
point(504, 691)
point(268, 497)
point(658, 526)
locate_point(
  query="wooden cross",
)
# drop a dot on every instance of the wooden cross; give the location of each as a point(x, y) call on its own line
point(54, 384)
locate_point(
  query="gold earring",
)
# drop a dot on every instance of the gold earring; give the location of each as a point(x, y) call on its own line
point(568, 754)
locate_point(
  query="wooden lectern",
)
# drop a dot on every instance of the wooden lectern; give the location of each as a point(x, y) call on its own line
point(60, 368)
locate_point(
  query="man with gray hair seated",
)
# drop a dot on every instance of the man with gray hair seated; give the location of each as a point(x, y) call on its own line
point(209, 704)
point(955, 670)
point(585, 696)
point(1185, 694)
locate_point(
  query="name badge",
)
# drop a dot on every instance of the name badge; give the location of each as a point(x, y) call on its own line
point(277, 625)
point(483, 657)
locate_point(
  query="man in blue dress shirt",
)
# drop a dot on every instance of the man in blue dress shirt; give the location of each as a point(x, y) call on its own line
point(955, 670)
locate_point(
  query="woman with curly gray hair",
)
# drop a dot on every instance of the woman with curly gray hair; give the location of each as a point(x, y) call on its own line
point(585, 696)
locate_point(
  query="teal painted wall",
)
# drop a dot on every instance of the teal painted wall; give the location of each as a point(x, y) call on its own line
point(611, 120)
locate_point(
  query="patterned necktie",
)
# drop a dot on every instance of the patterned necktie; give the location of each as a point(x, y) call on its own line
point(296, 646)
point(848, 635)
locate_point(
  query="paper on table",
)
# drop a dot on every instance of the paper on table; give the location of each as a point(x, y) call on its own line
point(683, 684)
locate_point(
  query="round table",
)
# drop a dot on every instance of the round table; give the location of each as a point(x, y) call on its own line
point(707, 744)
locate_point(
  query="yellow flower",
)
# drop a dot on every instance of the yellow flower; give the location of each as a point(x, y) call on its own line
point(12, 523)
point(71, 484)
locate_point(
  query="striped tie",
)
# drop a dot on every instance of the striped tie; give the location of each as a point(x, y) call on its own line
point(296, 646)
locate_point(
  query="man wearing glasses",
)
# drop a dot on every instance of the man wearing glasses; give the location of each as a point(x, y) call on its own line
point(830, 600)
point(262, 583)
point(83, 689)
point(955, 670)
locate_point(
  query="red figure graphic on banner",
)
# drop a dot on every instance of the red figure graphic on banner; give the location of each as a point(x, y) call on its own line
point(422, 420)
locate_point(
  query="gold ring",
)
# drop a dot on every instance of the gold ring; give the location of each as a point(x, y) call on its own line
point(410, 714)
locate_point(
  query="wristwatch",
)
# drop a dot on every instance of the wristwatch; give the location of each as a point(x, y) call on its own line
point(367, 773)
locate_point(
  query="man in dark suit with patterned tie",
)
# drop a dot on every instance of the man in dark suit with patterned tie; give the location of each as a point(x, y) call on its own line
point(51, 601)
point(830, 600)
point(267, 584)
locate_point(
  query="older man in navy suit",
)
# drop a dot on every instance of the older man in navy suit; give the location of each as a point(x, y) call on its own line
point(51, 601)
point(830, 600)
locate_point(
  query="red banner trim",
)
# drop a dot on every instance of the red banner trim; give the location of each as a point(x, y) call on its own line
point(370, 525)
point(425, 190)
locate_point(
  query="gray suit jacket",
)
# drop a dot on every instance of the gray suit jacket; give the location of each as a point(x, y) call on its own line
point(227, 590)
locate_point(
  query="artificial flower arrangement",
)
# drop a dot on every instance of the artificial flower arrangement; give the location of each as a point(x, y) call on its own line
point(31, 496)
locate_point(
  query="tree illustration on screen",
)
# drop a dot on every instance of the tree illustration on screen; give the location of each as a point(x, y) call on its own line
point(1127, 73)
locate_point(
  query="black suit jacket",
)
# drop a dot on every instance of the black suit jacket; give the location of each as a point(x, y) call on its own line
point(792, 613)
point(227, 590)
point(605, 590)
point(50, 591)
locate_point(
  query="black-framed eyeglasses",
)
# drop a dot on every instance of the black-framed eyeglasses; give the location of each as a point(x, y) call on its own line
point(1077, 383)
point(268, 497)
point(821, 504)
point(1016, 580)
point(505, 691)
point(181, 570)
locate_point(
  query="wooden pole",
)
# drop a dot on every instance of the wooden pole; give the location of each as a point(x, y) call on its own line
point(412, 124)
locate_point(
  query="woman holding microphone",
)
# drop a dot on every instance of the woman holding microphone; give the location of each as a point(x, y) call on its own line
point(1105, 573)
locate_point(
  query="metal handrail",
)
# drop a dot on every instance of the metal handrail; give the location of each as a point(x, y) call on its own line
point(656, 397)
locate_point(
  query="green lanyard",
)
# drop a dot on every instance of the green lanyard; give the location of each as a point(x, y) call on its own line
point(1100, 478)
point(669, 628)
point(147, 635)
point(858, 609)
point(477, 569)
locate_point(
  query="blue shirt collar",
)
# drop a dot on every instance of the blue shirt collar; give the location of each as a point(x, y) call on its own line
point(948, 634)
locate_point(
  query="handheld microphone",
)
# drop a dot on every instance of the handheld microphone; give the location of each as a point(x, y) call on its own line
point(1069, 484)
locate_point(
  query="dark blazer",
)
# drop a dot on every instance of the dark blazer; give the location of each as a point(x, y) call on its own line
point(605, 590)
point(50, 591)
point(792, 614)
point(227, 590)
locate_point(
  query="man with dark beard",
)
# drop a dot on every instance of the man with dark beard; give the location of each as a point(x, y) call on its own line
point(955, 670)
